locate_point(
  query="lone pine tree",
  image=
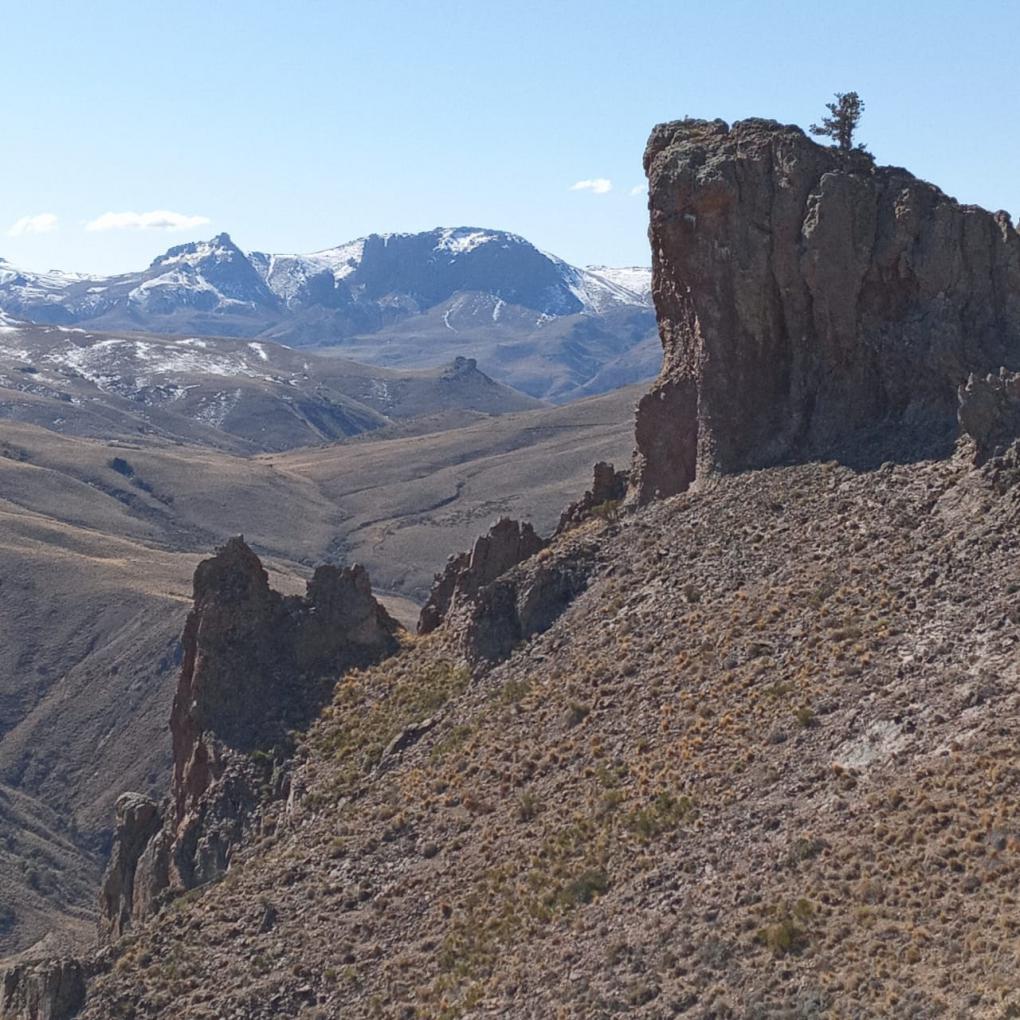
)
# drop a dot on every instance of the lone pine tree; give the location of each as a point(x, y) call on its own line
point(840, 127)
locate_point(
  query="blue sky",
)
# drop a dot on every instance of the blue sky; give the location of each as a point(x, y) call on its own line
point(296, 126)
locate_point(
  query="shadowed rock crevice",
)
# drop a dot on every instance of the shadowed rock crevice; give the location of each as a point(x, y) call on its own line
point(811, 305)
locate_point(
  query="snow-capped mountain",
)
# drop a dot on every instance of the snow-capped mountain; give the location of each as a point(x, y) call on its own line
point(403, 300)
point(415, 272)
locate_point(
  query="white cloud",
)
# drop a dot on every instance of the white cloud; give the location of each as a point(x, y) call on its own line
point(639, 189)
point(44, 223)
point(158, 219)
point(596, 185)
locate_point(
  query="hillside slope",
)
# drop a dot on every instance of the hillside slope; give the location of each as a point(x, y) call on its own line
point(98, 542)
point(762, 767)
point(242, 397)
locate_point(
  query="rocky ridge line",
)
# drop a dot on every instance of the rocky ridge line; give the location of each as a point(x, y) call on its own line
point(811, 305)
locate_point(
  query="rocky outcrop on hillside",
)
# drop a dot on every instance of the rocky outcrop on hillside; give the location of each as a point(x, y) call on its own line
point(608, 490)
point(990, 412)
point(811, 304)
point(504, 592)
point(257, 665)
point(521, 603)
point(51, 990)
point(506, 544)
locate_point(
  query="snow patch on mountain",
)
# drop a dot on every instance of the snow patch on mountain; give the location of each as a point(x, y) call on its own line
point(635, 280)
point(8, 324)
point(198, 253)
point(287, 276)
point(460, 240)
point(600, 290)
point(127, 365)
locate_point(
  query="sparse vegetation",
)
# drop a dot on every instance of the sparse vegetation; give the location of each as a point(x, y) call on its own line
point(583, 889)
point(844, 116)
point(608, 511)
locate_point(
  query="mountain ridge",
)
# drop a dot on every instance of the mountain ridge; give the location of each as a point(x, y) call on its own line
point(405, 300)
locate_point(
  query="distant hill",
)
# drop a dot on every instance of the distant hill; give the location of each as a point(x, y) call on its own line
point(243, 396)
point(533, 320)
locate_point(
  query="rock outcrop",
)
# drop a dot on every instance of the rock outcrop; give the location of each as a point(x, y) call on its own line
point(138, 821)
point(608, 490)
point(990, 412)
point(524, 602)
point(506, 544)
point(50, 990)
point(811, 304)
point(257, 665)
point(502, 592)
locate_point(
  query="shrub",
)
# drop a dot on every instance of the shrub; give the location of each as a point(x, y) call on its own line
point(527, 807)
point(608, 511)
point(663, 814)
point(782, 938)
point(584, 888)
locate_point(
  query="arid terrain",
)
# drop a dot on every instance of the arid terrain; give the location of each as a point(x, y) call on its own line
point(732, 736)
point(762, 767)
point(98, 544)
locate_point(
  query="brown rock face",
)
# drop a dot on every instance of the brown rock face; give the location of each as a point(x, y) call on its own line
point(257, 665)
point(138, 821)
point(811, 304)
point(524, 602)
point(50, 990)
point(990, 412)
point(507, 543)
point(608, 487)
point(501, 593)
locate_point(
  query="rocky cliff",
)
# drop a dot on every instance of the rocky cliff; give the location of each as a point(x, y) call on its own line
point(506, 544)
point(257, 665)
point(811, 304)
point(50, 990)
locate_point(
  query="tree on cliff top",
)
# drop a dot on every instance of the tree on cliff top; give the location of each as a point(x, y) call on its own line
point(840, 127)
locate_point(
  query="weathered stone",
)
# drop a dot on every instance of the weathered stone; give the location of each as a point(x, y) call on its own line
point(507, 543)
point(609, 487)
point(257, 665)
point(138, 820)
point(990, 412)
point(522, 603)
point(49, 990)
point(811, 304)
